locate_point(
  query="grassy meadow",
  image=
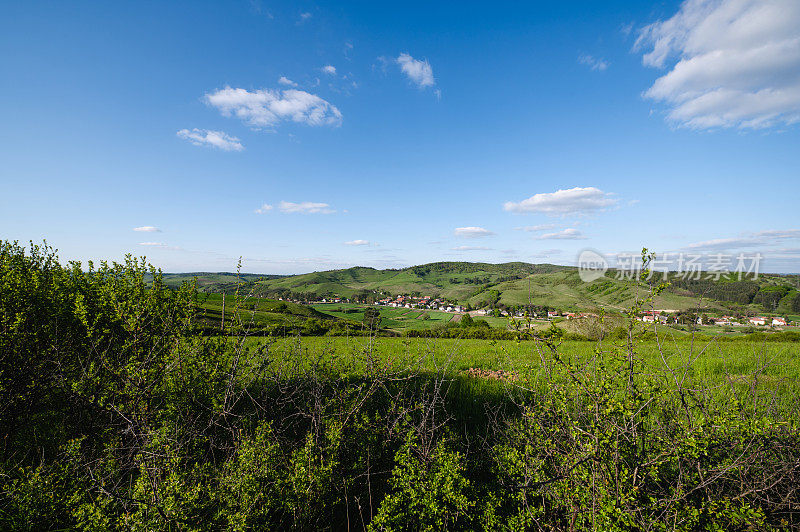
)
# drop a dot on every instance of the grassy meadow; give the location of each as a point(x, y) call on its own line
point(719, 366)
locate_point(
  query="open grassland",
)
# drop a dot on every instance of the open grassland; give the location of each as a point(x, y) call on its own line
point(270, 315)
point(701, 360)
point(395, 319)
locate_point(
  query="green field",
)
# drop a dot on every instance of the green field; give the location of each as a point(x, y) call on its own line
point(708, 360)
point(395, 319)
point(255, 311)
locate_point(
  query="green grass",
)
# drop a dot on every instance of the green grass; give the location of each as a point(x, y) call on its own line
point(720, 367)
point(395, 319)
point(712, 358)
point(259, 311)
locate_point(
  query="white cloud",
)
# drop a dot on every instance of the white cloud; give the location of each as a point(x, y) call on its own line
point(329, 69)
point(472, 232)
point(470, 248)
point(724, 243)
point(573, 201)
point(283, 80)
point(736, 63)
point(305, 207)
point(420, 72)
point(535, 228)
point(268, 107)
point(758, 239)
point(566, 234)
point(779, 234)
point(357, 243)
point(217, 139)
point(594, 63)
point(147, 229)
point(304, 16)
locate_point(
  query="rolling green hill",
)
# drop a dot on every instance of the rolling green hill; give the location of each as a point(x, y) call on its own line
point(454, 281)
point(214, 280)
point(261, 313)
point(512, 284)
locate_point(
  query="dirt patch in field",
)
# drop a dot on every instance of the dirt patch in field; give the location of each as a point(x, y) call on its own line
point(498, 374)
point(456, 318)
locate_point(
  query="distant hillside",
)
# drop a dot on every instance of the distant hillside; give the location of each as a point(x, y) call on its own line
point(512, 284)
point(215, 279)
point(454, 281)
point(262, 314)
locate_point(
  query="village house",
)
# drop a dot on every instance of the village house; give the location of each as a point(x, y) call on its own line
point(759, 320)
point(652, 316)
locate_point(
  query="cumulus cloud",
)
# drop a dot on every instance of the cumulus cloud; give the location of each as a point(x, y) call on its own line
point(357, 243)
point(573, 201)
point(268, 107)
point(147, 229)
point(216, 139)
point(329, 69)
point(420, 72)
point(264, 209)
point(283, 80)
point(566, 234)
point(305, 207)
point(732, 63)
point(472, 232)
point(594, 63)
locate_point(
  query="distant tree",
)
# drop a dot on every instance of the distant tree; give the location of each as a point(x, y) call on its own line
point(372, 318)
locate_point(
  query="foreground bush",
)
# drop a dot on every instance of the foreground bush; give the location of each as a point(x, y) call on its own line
point(117, 414)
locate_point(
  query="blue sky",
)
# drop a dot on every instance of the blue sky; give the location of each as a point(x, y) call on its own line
point(400, 134)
